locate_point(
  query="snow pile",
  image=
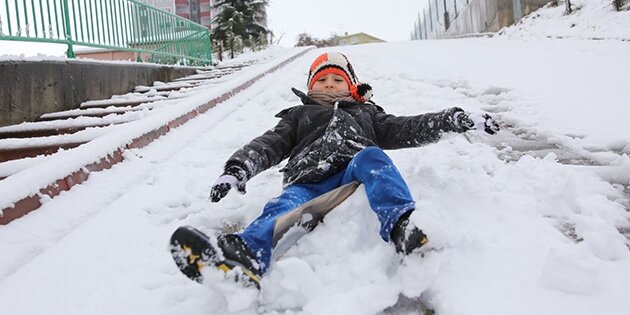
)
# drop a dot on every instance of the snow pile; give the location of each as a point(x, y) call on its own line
point(513, 228)
point(30, 57)
point(523, 236)
point(590, 19)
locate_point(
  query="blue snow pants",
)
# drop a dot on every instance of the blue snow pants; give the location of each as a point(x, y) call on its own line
point(386, 190)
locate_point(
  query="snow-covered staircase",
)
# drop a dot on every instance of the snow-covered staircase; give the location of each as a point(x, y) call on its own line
point(120, 123)
point(61, 130)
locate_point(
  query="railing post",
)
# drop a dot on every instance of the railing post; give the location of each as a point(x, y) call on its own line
point(455, 7)
point(66, 20)
point(447, 20)
point(419, 26)
point(424, 19)
point(430, 17)
point(9, 20)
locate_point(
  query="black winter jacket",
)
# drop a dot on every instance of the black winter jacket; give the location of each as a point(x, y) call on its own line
point(320, 141)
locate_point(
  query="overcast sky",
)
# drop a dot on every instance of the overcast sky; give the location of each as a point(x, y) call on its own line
point(390, 20)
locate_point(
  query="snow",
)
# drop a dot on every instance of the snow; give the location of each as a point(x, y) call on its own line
point(27, 182)
point(74, 122)
point(36, 52)
point(93, 111)
point(591, 19)
point(512, 229)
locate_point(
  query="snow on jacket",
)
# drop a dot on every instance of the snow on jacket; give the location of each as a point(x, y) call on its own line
point(320, 141)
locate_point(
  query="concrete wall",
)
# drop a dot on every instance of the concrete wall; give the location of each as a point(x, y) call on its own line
point(481, 16)
point(29, 89)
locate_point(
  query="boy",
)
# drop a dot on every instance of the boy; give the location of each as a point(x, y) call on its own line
point(334, 138)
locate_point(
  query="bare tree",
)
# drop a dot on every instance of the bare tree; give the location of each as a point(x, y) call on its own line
point(305, 39)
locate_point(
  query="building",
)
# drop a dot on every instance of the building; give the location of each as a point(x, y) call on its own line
point(166, 5)
point(198, 11)
point(357, 39)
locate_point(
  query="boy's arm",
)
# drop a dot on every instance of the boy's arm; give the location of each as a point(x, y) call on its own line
point(266, 150)
point(258, 155)
point(396, 132)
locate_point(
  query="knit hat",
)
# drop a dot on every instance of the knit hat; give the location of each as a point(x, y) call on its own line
point(337, 63)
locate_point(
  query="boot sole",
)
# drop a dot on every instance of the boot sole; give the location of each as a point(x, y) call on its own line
point(192, 251)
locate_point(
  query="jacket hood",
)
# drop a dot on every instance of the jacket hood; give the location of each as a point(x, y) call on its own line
point(306, 100)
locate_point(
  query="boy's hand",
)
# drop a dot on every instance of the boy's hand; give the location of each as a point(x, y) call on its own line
point(233, 176)
point(476, 121)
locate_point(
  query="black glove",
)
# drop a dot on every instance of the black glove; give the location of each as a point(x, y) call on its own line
point(483, 122)
point(234, 176)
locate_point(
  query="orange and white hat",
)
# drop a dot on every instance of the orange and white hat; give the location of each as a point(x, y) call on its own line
point(337, 63)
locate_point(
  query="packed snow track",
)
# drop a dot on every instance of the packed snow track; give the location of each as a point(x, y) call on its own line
point(529, 221)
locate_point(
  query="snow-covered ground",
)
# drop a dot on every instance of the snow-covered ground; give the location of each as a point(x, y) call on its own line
point(590, 19)
point(509, 233)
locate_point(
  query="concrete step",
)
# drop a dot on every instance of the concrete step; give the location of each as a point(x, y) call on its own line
point(45, 132)
point(86, 114)
point(64, 123)
point(120, 103)
point(95, 126)
point(44, 142)
point(167, 87)
point(199, 77)
point(34, 150)
point(55, 131)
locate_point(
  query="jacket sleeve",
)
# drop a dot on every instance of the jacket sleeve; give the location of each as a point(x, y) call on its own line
point(397, 132)
point(266, 150)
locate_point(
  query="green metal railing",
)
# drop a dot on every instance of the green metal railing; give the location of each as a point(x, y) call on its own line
point(124, 25)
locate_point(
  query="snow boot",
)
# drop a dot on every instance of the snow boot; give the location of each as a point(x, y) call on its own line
point(192, 251)
point(407, 237)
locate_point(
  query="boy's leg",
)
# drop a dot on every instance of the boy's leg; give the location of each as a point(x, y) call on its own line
point(251, 250)
point(259, 234)
point(386, 190)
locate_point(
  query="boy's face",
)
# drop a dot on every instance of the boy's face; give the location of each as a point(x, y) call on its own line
point(331, 83)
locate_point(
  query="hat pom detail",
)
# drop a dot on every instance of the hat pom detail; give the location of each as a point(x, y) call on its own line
point(361, 92)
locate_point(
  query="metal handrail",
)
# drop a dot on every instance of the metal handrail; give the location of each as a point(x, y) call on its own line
point(438, 13)
point(126, 25)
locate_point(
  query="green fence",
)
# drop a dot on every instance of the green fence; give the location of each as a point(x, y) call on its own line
point(125, 25)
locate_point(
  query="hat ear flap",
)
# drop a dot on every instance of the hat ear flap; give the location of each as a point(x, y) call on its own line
point(361, 92)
